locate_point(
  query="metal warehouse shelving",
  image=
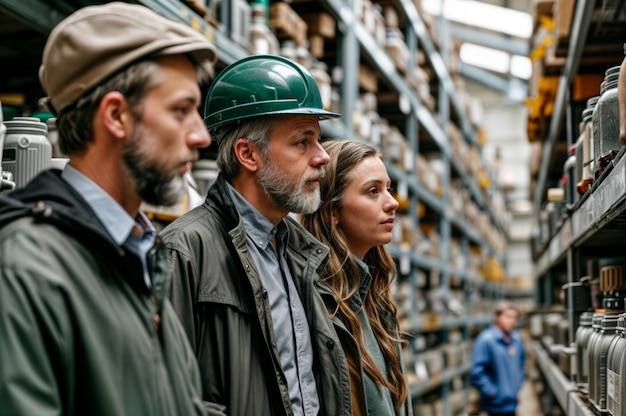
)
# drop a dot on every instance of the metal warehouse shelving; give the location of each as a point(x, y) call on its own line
point(593, 227)
point(355, 45)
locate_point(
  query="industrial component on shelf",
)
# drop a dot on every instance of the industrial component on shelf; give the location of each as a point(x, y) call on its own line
point(583, 333)
point(556, 194)
point(6, 178)
point(569, 173)
point(605, 120)
point(615, 389)
point(319, 70)
point(26, 149)
point(613, 288)
point(605, 326)
point(240, 22)
point(577, 295)
point(262, 40)
point(583, 176)
point(553, 210)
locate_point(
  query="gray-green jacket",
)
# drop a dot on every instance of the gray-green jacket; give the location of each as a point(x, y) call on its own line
point(80, 333)
point(225, 310)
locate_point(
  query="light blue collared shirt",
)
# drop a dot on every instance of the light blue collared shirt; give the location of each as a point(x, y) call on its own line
point(114, 218)
point(291, 328)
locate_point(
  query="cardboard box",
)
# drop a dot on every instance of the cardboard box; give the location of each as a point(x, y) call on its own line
point(316, 46)
point(367, 79)
point(322, 24)
point(563, 12)
point(586, 86)
point(287, 23)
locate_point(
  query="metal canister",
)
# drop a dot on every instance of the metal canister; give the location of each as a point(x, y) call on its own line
point(26, 150)
point(583, 333)
point(598, 351)
point(605, 120)
point(584, 156)
point(615, 361)
point(613, 287)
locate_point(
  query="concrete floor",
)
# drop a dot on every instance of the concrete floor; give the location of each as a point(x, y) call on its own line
point(528, 401)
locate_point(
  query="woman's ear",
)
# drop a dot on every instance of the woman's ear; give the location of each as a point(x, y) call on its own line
point(248, 155)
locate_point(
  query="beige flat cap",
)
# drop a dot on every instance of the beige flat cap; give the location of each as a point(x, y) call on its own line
point(95, 42)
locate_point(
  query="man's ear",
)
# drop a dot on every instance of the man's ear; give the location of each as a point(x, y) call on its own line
point(248, 154)
point(115, 115)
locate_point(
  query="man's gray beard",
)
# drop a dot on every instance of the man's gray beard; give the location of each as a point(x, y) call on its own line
point(154, 186)
point(284, 193)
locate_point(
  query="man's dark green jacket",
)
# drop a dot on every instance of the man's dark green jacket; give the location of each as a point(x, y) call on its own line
point(80, 332)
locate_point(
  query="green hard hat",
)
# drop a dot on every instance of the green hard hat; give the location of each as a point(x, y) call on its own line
point(262, 85)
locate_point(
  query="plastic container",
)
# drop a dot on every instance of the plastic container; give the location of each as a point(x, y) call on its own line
point(26, 150)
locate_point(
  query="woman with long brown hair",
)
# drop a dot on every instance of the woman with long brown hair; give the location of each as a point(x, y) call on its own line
point(355, 221)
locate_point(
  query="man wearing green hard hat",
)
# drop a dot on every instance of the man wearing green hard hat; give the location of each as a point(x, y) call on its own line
point(245, 271)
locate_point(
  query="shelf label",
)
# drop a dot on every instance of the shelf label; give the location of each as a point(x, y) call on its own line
point(613, 385)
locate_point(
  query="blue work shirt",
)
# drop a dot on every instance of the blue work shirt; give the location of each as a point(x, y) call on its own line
point(291, 328)
point(498, 369)
point(136, 234)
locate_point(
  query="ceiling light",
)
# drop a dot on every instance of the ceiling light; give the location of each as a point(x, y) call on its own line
point(487, 58)
point(487, 16)
point(521, 67)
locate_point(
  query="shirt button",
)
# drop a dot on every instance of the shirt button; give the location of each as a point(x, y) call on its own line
point(265, 293)
point(330, 344)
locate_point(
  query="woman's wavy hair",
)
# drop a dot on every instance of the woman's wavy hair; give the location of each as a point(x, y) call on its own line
point(345, 155)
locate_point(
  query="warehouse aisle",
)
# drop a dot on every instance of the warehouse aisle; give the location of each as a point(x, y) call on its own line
point(529, 401)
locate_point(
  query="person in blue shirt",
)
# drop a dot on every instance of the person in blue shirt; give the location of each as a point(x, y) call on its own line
point(498, 360)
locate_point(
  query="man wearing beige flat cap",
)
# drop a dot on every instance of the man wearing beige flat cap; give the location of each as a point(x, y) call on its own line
point(85, 324)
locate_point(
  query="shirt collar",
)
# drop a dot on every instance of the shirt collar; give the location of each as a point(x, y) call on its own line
point(258, 228)
point(113, 217)
point(366, 281)
point(499, 334)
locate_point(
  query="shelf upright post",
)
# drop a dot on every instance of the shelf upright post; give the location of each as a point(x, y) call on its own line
point(225, 14)
point(412, 135)
point(445, 226)
point(467, 299)
point(349, 59)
